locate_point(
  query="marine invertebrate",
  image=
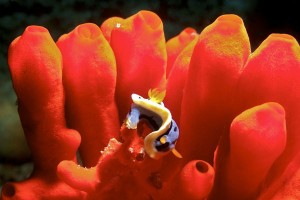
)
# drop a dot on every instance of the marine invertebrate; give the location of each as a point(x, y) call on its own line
point(165, 130)
point(237, 112)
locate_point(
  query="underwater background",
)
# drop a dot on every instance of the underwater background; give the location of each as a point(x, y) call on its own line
point(261, 18)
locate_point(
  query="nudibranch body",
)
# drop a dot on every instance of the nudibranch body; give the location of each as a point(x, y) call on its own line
point(165, 130)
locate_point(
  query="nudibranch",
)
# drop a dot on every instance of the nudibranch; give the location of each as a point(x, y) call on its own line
point(165, 130)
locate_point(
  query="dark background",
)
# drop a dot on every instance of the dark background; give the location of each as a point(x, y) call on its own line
point(261, 18)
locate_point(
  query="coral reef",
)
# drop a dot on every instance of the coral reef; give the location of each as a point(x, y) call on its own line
point(237, 111)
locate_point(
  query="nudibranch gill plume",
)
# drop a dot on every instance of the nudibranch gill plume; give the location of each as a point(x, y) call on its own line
point(165, 132)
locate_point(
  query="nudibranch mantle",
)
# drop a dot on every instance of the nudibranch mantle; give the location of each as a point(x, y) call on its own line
point(163, 139)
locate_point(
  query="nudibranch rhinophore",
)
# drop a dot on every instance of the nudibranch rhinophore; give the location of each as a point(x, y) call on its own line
point(165, 130)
